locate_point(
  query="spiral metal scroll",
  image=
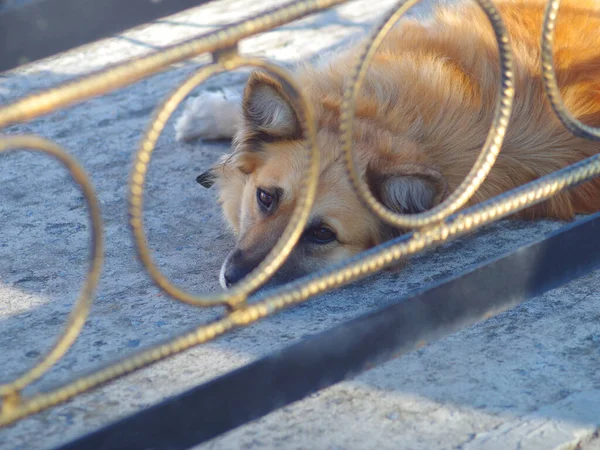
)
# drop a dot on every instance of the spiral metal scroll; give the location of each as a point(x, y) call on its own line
point(549, 78)
point(491, 147)
point(432, 228)
point(78, 316)
point(277, 256)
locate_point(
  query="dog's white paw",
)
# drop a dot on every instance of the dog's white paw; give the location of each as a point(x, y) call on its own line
point(211, 115)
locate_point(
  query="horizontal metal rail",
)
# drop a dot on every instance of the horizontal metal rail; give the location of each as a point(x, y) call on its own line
point(37, 29)
point(346, 350)
point(136, 69)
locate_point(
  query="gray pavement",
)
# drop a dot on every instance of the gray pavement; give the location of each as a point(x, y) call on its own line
point(526, 379)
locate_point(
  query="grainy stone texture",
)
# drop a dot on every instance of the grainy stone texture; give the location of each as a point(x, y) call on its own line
point(526, 379)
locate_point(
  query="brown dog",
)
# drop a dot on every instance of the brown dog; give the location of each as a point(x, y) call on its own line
point(422, 117)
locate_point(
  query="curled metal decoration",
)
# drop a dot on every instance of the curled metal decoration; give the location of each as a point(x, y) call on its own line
point(78, 316)
point(277, 256)
point(575, 126)
point(432, 228)
point(491, 147)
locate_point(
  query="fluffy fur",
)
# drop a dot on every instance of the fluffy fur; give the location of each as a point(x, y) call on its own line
point(422, 117)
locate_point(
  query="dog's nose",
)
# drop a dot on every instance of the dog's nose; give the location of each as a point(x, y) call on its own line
point(233, 274)
point(235, 268)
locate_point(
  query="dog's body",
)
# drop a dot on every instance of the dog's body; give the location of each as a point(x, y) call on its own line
point(421, 119)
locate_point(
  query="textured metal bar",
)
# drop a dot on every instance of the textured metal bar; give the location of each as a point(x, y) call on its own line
point(129, 72)
point(252, 391)
point(43, 28)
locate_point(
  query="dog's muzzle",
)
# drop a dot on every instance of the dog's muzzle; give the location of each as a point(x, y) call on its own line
point(234, 268)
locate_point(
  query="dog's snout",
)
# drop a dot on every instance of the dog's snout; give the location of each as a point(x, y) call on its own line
point(234, 269)
point(234, 274)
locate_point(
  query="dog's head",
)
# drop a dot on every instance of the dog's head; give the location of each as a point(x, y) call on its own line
point(259, 184)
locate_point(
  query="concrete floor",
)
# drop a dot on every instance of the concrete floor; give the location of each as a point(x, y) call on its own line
point(526, 379)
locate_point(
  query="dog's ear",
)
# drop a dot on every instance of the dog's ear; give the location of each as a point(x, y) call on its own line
point(206, 179)
point(406, 188)
point(268, 107)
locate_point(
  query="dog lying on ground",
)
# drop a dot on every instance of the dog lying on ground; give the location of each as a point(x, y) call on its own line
point(421, 119)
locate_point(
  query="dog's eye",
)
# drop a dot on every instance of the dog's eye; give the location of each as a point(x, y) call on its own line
point(320, 235)
point(264, 198)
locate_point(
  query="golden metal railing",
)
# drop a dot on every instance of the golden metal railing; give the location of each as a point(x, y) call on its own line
point(430, 228)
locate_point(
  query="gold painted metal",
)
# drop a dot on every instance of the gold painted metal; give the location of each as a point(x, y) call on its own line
point(10, 392)
point(295, 227)
point(129, 72)
point(491, 147)
point(549, 77)
point(226, 56)
point(431, 229)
